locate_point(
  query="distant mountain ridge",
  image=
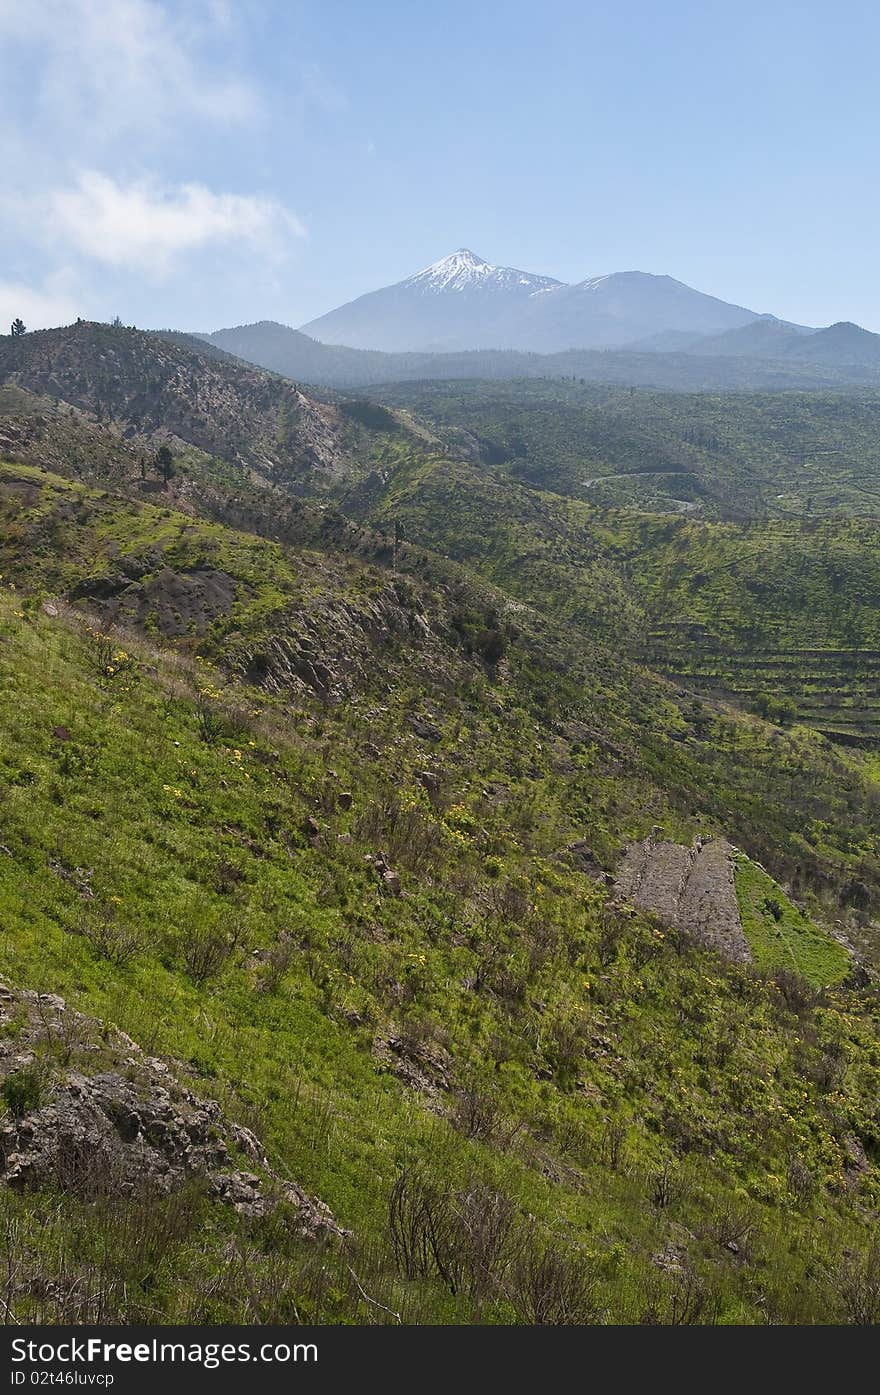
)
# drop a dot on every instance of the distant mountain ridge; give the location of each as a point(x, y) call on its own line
point(463, 317)
point(783, 359)
point(463, 302)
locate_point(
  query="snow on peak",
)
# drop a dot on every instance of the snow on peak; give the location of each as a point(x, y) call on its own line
point(464, 270)
point(455, 272)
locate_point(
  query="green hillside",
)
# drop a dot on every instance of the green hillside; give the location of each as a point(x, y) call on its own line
point(782, 616)
point(315, 785)
point(183, 842)
point(734, 454)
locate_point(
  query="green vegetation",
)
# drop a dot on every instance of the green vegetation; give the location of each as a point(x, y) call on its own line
point(315, 778)
point(781, 616)
point(735, 455)
point(780, 935)
point(548, 1031)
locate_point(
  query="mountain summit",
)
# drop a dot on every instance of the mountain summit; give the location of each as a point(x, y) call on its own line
point(465, 271)
point(462, 302)
point(458, 302)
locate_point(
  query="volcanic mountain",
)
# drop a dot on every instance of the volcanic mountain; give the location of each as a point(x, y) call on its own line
point(463, 302)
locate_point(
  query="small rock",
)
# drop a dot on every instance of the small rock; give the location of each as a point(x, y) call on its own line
point(345, 799)
point(61, 733)
point(426, 730)
point(585, 859)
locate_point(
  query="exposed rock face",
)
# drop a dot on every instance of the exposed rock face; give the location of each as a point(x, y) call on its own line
point(179, 602)
point(328, 650)
point(689, 888)
point(424, 1066)
point(119, 1120)
point(709, 910)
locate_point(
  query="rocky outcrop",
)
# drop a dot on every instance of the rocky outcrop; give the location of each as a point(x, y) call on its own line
point(709, 910)
point(178, 602)
point(114, 1119)
point(689, 888)
point(329, 650)
point(423, 1065)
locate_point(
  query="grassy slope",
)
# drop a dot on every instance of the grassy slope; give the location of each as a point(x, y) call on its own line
point(566, 1016)
point(615, 749)
point(604, 579)
point(151, 824)
point(776, 930)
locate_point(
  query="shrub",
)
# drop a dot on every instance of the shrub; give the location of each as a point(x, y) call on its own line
point(276, 964)
point(110, 940)
point(553, 1287)
point(490, 645)
point(466, 1239)
point(476, 1114)
point(666, 1186)
point(680, 1300)
point(613, 1144)
point(23, 1090)
point(858, 1284)
point(798, 994)
point(732, 1225)
point(209, 948)
point(209, 720)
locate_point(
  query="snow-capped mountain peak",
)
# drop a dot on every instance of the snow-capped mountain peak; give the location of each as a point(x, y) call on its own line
point(464, 271)
point(455, 272)
point(463, 302)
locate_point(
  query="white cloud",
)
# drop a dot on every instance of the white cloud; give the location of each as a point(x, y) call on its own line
point(110, 67)
point(40, 309)
point(144, 227)
point(120, 124)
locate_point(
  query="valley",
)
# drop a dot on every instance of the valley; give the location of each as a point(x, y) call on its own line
point(462, 849)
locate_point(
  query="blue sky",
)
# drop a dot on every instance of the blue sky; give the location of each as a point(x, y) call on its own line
point(198, 163)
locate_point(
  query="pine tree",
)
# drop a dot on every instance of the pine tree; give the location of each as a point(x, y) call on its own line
point(165, 463)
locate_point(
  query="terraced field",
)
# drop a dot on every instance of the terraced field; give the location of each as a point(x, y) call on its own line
point(837, 691)
point(783, 617)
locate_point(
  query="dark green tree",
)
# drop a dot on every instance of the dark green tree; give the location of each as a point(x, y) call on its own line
point(17, 328)
point(165, 463)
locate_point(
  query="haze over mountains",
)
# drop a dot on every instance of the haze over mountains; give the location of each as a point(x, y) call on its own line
point(463, 302)
point(462, 317)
